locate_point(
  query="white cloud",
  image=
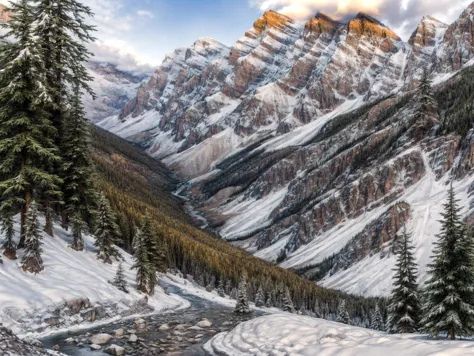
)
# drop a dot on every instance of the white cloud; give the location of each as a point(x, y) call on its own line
point(145, 13)
point(402, 15)
point(114, 53)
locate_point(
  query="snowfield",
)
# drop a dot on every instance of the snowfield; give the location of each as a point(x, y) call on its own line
point(67, 275)
point(285, 334)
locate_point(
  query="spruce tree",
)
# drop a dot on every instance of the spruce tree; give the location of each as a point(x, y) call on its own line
point(61, 30)
point(220, 288)
point(376, 320)
point(449, 293)
point(77, 169)
point(31, 260)
point(107, 232)
point(342, 314)
point(404, 307)
point(426, 115)
point(287, 302)
point(260, 298)
point(119, 279)
point(27, 147)
point(9, 246)
point(78, 228)
point(142, 265)
point(242, 306)
point(154, 245)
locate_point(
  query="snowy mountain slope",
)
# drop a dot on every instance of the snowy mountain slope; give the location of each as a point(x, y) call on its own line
point(29, 302)
point(114, 88)
point(300, 145)
point(299, 335)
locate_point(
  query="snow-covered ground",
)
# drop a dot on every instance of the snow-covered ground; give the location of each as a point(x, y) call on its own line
point(286, 334)
point(67, 275)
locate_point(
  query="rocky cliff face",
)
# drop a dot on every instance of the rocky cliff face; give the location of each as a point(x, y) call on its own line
point(301, 140)
point(114, 89)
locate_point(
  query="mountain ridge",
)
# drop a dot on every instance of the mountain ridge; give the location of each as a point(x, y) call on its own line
point(275, 134)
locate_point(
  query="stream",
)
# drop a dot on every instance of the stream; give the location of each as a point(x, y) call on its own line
point(182, 338)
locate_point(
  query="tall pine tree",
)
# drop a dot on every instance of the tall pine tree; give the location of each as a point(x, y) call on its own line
point(31, 260)
point(27, 148)
point(77, 169)
point(107, 232)
point(242, 306)
point(342, 314)
point(61, 30)
point(142, 265)
point(404, 307)
point(449, 296)
point(78, 228)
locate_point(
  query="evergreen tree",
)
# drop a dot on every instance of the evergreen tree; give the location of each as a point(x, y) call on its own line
point(119, 279)
point(260, 298)
point(220, 288)
point(449, 296)
point(77, 169)
point(404, 307)
point(27, 149)
point(142, 265)
point(342, 314)
point(78, 228)
point(106, 232)
point(154, 246)
point(62, 33)
point(287, 302)
point(9, 247)
point(31, 260)
point(242, 306)
point(376, 320)
point(426, 115)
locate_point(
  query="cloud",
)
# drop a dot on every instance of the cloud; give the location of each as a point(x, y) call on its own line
point(145, 13)
point(116, 55)
point(402, 15)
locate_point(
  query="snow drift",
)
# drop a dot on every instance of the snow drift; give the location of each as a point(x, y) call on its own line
point(284, 334)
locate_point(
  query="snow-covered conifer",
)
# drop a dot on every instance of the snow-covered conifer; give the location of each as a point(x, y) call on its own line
point(287, 302)
point(119, 280)
point(404, 307)
point(141, 264)
point(220, 288)
point(242, 305)
point(31, 260)
point(260, 297)
point(376, 319)
point(77, 169)
point(342, 314)
point(106, 232)
point(78, 228)
point(449, 294)
point(27, 148)
point(9, 247)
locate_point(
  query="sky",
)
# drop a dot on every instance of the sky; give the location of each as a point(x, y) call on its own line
point(137, 34)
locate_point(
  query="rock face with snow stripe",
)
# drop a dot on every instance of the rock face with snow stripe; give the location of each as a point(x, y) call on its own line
point(302, 144)
point(457, 47)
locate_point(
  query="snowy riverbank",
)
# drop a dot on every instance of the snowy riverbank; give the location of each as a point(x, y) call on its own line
point(72, 290)
point(286, 334)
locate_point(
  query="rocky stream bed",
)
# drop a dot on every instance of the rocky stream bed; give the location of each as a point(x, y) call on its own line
point(179, 333)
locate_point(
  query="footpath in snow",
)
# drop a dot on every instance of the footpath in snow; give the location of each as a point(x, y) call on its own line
point(285, 334)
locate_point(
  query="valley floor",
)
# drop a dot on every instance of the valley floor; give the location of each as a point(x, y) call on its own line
point(285, 334)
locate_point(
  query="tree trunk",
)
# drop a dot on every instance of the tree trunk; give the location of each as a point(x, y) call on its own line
point(24, 210)
point(451, 333)
point(64, 220)
point(48, 227)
